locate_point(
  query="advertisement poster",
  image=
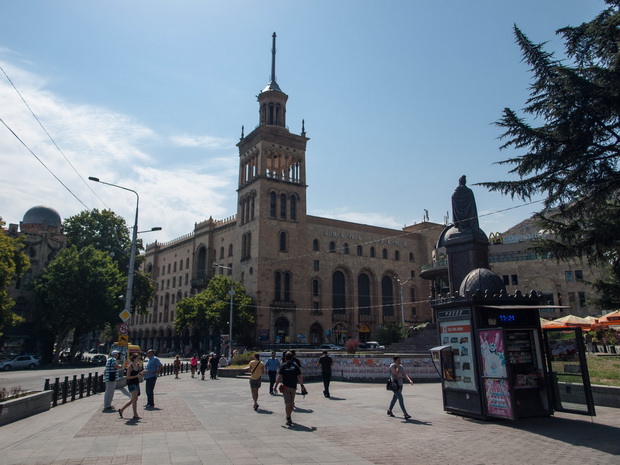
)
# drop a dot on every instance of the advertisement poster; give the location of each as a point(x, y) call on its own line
point(498, 399)
point(457, 334)
point(492, 353)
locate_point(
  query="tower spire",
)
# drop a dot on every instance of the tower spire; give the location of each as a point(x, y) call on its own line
point(273, 59)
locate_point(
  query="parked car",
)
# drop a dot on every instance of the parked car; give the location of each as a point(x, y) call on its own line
point(330, 347)
point(370, 345)
point(22, 361)
point(99, 359)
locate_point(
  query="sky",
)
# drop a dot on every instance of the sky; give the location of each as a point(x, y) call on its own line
point(398, 97)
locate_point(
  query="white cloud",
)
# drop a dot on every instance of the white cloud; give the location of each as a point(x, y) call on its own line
point(370, 218)
point(110, 146)
point(205, 142)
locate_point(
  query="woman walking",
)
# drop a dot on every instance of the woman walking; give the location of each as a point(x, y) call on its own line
point(397, 374)
point(133, 385)
point(176, 366)
point(194, 364)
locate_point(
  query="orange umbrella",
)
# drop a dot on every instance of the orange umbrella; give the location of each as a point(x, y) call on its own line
point(573, 320)
point(554, 324)
point(609, 319)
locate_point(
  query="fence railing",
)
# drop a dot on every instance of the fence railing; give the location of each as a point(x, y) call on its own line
point(80, 386)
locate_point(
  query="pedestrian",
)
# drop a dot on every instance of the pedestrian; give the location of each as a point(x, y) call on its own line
point(110, 377)
point(397, 374)
point(215, 364)
point(153, 369)
point(257, 370)
point(134, 371)
point(289, 375)
point(272, 365)
point(326, 363)
point(176, 366)
point(204, 365)
point(194, 364)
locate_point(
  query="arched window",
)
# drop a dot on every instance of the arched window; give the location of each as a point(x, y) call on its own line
point(360, 251)
point(293, 208)
point(315, 288)
point(363, 289)
point(396, 255)
point(288, 282)
point(201, 265)
point(272, 205)
point(384, 254)
point(332, 246)
point(252, 204)
point(387, 296)
point(174, 268)
point(372, 252)
point(410, 256)
point(339, 298)
point(187, 262)
point(230, 250)
point(180, 265)
point(242, 211)
point(168, 268)
point(283, 206)
point(221, 252)
point(283, 241)
point(163, 270)
point(345, 249)
point(315, 245)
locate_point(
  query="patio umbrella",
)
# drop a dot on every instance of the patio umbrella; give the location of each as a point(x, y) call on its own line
point(610, 319)
point(573, 320)
point(554, 324)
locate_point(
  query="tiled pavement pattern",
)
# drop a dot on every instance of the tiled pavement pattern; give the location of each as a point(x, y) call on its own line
point(200, 422)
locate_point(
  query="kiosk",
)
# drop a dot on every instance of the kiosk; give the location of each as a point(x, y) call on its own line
point(496, 362)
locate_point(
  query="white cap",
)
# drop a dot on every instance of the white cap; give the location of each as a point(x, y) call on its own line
point(114, 352)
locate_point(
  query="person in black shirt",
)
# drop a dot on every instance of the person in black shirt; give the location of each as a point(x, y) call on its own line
point(289, 375)
point(326, 363)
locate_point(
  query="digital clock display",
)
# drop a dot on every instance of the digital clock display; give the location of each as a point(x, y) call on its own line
point(506, 318)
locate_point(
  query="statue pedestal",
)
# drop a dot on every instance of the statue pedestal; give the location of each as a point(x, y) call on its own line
point(466, 251)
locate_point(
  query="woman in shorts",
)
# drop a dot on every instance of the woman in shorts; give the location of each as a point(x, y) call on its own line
point(256, 369)
point(134, 371)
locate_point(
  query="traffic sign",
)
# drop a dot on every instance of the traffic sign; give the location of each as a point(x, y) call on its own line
point(123, 340)
point(125, 315)
point(123, 328)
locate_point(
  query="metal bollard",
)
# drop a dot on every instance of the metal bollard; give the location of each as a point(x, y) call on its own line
point(96, 383)
point(46, 386)
point(73, 387)
point(82, 386)
point(56, 392)
point(89, 381)
point(65, 389)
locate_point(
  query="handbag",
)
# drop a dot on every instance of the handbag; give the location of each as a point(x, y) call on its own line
point(388, 386)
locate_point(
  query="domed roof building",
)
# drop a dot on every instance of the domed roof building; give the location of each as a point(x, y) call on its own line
point(41, 218)
point(483, 280)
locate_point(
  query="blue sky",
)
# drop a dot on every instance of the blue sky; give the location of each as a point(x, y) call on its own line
point(398, 97)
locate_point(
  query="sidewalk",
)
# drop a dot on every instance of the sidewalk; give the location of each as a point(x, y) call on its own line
point(200, 422)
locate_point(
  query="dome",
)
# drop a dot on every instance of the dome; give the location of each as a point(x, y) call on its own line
point(42, 215)
point(483, 280)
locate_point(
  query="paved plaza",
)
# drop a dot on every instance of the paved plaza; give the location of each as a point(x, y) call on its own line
point(212, 422)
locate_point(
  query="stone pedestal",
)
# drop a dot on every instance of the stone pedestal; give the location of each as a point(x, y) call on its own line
point(466, 251)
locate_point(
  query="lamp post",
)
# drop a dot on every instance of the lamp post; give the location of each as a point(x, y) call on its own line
point(134, 240)
point(402, 303)
point(231, 293)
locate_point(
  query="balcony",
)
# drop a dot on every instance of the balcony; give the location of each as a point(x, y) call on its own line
point(199, 282)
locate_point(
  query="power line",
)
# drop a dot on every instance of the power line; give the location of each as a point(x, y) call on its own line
point(44, 165)
point(51, 138)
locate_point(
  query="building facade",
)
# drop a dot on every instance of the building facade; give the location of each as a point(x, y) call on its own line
point(313, 279)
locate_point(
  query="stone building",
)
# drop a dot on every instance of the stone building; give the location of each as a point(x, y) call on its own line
point(313, 279)
point(43, 236)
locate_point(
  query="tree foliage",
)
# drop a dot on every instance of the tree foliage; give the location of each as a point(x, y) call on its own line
point(13, 264)
point(78, 292)
point(390, 334)
point(108, 232)
point(210, 309)
point(569, 142)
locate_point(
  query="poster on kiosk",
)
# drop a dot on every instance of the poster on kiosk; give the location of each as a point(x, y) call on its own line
point(494, 369)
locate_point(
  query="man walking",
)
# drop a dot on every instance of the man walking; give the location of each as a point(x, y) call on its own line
point(153, 368)
point(326, 363)
point(289, 375)
point(110, 377)
point(256, 369)
point(273, 366)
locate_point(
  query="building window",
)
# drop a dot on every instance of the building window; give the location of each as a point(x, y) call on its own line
point(175, 267)
point(315, 288)
point(283, 206)
point(582, 299)
point(387, 296)
point(363, 289)
point(514, 279)
point(384, 254)
point(372, 252)
point(360, 251)
point(229, 269)
point(339, 296)
point(332, 247)
point(221, 252)
point(163, 270)
point(174, 281)
point(315, 245)
point(396, 255)
point(293, 208)
point(168, 268)
point(569, 276)
point(547, 299)
point(230, 250)
point(283, 241)
point(272, 205)
point(180, 265)
point(578, 275)
point(411, 256)
point(316, 265)
point(345, 249)
point(187, 262)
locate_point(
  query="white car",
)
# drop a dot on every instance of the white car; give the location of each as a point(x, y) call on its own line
point(22, 361)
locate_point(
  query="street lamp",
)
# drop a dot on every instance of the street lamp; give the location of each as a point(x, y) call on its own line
point(402, 303)
point(134, 240)
point(231, 293)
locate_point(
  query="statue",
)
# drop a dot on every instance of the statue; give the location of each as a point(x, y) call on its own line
point(464, 212)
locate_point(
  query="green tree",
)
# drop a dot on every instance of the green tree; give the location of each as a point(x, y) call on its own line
point(569, 144)
point(108, 232)
point(78, 292)
point(13, 264)
point(391, 333)
point(210, 309)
